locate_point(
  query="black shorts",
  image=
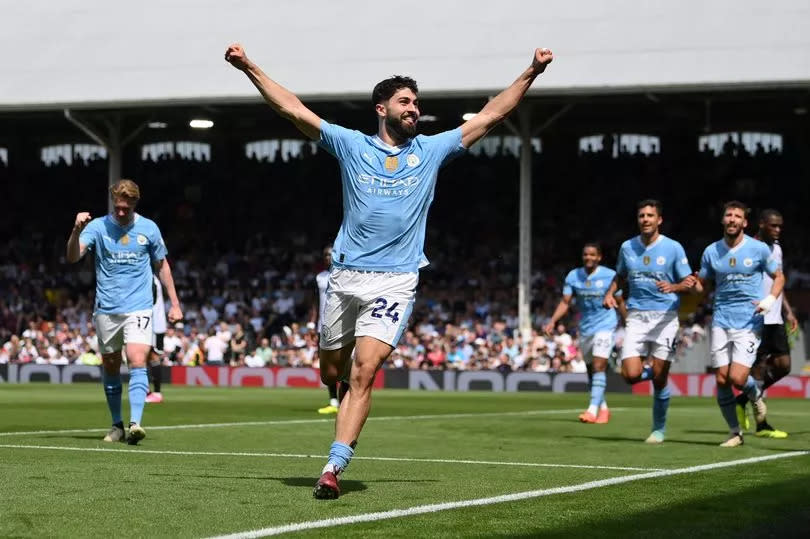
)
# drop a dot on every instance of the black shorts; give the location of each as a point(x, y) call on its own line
point(158, 343)
point(774, 342)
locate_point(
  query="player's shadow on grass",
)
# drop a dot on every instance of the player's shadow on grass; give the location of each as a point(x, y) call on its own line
point(98, 436)
point(639, 440)
point(748, 434)
point(346, 485)
point(308, 482)
point(562, 419)
point(779, 511)
point(710, 443)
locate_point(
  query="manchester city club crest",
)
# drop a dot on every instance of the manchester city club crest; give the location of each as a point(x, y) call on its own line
point(326, 333)
point(646, 260)
point(142, 240)
point(412, 160)
point(660, 260)
point(748, 262)
point(732, 262)
point(391, 163)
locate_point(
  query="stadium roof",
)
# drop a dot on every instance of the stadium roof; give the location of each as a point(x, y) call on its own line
point(100, 54)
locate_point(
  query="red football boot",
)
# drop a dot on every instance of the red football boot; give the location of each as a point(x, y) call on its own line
point(327, 487)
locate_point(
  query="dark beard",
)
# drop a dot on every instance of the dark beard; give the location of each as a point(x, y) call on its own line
point(398, 128)
point(740, 232)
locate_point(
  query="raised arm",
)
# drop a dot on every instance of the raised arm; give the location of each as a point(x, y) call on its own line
point(75, 249)
point(164, 272)
point(279, 98)
point(505, 102)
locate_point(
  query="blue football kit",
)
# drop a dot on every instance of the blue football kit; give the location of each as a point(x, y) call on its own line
point(643, 265)
point(123, 258)
point(387, 191)
point(737, 274)
point(589, 291)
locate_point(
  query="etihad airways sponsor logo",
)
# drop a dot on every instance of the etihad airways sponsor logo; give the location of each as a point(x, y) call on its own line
point(123, 257)
point(387, 186)
point(647, 276)
point(737, 277)
point(388, 183)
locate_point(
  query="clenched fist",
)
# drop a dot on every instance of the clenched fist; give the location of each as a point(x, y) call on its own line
point(82, 218)
point(175, 314)
point(235, 54)
point(542, 57)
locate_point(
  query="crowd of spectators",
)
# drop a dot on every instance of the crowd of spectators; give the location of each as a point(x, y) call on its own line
point(245, 239)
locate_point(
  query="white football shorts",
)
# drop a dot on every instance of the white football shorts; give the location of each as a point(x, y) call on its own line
point(600, 344)
point(366, 304)
point(734, 346)
point(116, 330)
point(651, 333)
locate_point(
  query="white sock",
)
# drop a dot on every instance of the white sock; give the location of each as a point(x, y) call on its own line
point(603, 406)
point(593, 409)
point(333, 402)
point(330, 468)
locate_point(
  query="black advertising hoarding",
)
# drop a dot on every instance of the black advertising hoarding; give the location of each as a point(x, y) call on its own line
point(693, 385)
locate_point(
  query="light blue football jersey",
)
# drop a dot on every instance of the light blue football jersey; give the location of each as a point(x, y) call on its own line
point(737, 274)
point(643, 265)
point(124, 257)
point(386, 195)
point(589, 292)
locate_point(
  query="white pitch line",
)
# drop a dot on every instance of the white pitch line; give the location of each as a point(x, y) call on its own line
point(433, 508)
point(308, 421)
point(304, 456)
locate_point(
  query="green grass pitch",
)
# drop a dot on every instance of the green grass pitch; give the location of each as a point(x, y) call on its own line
point(500, 454)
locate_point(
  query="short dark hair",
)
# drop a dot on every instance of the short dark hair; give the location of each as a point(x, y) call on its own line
point(651, 202)
point(595, 245)
point(769, 213)
point(735, 204)
point(388, 87)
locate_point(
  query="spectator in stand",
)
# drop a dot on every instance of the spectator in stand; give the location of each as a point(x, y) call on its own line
point(265, 353)
point(215, 348)
point(238, 345)
point(44, 288)
point(210, 314)
point(172, 343)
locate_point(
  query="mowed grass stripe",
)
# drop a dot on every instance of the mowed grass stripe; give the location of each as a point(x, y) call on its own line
point(308, 421)
point(304, 456)
point(519, 496)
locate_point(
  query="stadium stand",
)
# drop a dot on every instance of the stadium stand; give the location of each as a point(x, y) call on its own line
point(245, 252)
